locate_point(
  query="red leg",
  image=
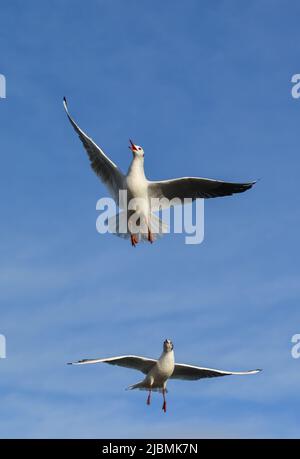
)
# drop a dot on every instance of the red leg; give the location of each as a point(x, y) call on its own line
point(149, 398)
point(134, 240)
point(164, 407)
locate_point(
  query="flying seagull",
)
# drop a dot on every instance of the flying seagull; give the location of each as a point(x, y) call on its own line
point(159, 371)
point(147, 226)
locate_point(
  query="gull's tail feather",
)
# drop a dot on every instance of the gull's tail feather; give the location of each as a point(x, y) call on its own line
point(157, 227)
point(142, 386)
point(123, 226)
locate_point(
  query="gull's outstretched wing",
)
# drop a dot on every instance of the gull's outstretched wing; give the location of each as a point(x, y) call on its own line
point(193, 188)
point(135, 362)
point(191, 372)
point(106, 169)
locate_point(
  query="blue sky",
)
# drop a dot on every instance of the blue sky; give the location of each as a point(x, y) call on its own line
point(204, 87)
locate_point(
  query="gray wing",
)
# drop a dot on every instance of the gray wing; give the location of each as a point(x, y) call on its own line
point(106, 169)
point(135, 362)
point(193, 188)
point(191, 372)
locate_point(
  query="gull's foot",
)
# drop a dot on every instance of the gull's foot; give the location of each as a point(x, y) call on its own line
point(164, 407)
point(134, 240)
point(150, 237)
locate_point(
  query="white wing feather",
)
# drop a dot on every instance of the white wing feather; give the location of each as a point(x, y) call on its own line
point(104, 167)
point(191, 372)
point(134, 362)
point(194, 188)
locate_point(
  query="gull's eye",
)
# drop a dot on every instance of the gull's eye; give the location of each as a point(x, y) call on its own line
point(139, 148)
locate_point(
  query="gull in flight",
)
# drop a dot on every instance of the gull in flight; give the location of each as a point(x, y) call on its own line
point(146, 225)
point(159, 371)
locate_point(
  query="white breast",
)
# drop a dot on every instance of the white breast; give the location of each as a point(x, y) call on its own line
point(137, 186)
point(164, 368)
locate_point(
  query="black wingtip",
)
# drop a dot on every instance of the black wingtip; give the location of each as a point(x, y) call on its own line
point(254, 182)
point(65, 100)
point(69, 363)
point(249, 185)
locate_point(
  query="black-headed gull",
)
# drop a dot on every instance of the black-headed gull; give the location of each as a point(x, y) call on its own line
point(159, 371)
point(139, 188)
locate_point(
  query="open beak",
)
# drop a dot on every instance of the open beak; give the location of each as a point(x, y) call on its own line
point(132, 146)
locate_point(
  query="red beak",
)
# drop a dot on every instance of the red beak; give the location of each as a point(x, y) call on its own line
point(132, 147)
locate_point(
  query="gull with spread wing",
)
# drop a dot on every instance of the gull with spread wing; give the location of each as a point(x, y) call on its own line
point(143, 191)
point(159, 371)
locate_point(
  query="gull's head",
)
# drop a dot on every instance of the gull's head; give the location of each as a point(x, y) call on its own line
point(168, 345)
point(136, 150)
